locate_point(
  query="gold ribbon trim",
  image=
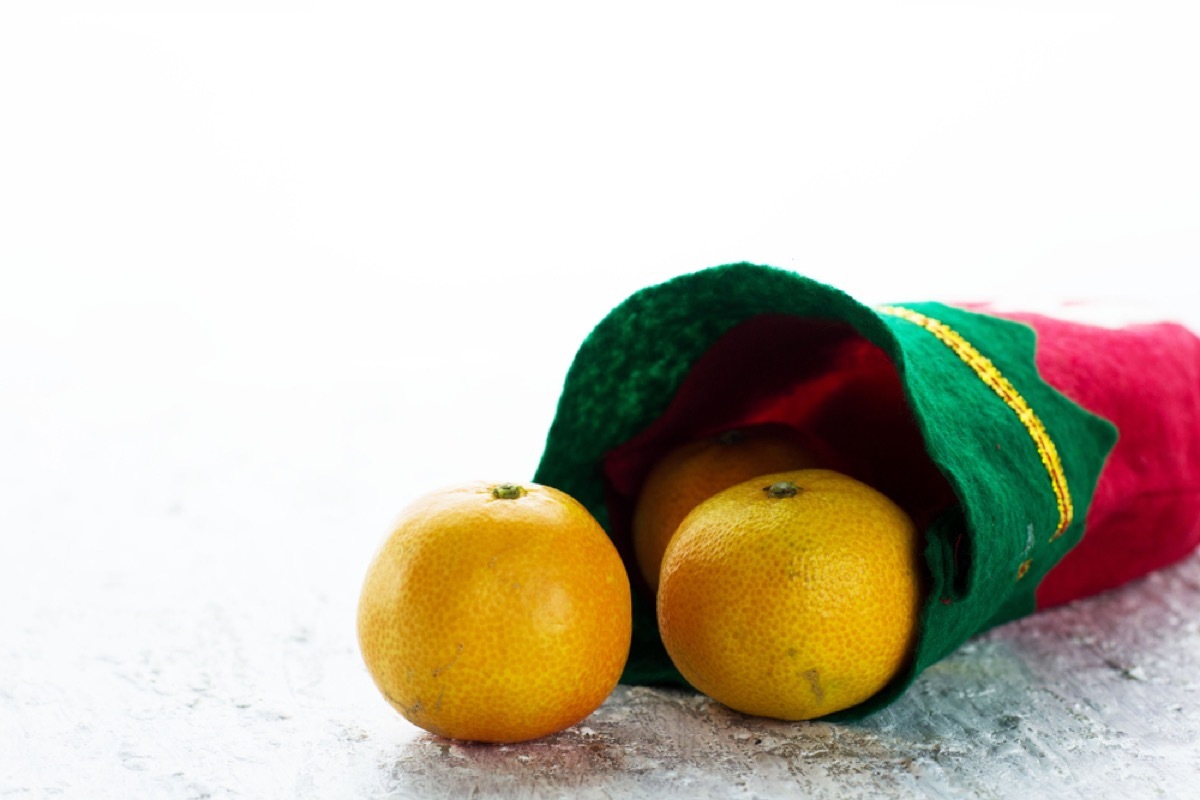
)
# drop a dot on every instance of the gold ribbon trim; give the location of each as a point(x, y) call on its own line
point(995, 380)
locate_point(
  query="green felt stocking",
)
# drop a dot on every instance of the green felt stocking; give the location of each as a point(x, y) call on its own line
point(1019, 461)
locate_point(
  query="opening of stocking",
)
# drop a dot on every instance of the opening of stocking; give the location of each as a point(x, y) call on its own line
point(821, 379)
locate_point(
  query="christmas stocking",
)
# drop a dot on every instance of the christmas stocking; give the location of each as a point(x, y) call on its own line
point(1043, 460)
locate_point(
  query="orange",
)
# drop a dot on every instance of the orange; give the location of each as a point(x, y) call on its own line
point(495, 613)
point(791, 595)
point(695, 471)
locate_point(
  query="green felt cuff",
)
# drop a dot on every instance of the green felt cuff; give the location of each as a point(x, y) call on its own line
point(1008, 516)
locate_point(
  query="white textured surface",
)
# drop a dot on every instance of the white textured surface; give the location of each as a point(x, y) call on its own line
point(267, 271)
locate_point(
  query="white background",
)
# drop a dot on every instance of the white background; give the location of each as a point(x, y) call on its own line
point(449, 196)
point(453, 197)
point(269, 270)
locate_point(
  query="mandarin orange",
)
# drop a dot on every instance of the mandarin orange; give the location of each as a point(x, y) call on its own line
point(791, 595)
point(695, 471)
point(495, 613)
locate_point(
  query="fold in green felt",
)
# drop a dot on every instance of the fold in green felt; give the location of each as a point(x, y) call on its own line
point(985, 553)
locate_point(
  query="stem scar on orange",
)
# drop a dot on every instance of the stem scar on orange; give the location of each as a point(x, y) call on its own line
point(495, 613)
point(792, 595)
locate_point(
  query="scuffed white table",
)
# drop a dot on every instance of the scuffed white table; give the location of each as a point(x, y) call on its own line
point(180, 562)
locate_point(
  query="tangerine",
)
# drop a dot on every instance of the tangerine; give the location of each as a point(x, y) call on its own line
point(495, 613)
point(791, 595)
point(695, 471)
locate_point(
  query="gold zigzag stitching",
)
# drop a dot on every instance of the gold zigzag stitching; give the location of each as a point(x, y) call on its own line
point(992, 376)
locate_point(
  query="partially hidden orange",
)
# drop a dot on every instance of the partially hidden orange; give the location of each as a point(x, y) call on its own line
point(495, 613)
point(792, 595)
point(695, 471)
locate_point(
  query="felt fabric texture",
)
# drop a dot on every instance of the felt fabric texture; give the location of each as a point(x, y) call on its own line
point(744, 343)
point(1146, 511)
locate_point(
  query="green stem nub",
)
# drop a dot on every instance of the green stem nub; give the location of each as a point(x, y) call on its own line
point(508, 491)
point(731, 437)
point(777, 491)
